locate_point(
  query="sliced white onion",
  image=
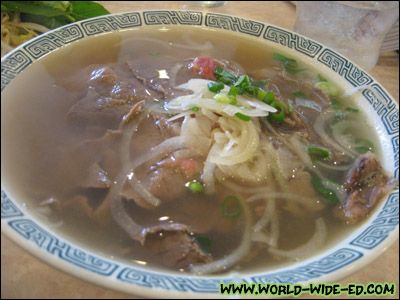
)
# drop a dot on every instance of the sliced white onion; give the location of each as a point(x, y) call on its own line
point(319, 127)
point(309, 247)
point(238, 254)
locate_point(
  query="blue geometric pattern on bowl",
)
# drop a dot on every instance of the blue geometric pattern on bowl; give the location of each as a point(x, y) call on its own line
point(292, 40)
point(44, 239)
point(325, 265)
point(230, 23)
point(8, 208)
point(386, 221)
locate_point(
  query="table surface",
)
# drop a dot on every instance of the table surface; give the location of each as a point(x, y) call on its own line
point(24, 276)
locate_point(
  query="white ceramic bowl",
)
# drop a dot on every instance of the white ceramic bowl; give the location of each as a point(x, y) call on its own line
point(354, 252)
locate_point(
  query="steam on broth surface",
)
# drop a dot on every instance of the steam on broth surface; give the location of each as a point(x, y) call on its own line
point(190, 151)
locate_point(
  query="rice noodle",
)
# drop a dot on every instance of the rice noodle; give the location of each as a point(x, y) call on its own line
point(270, 238)
point(309, 247)
point(242, 189)
point(239, 253)
point(269, 210)
point(296, 198)
point(208, 173)
point(338, 168)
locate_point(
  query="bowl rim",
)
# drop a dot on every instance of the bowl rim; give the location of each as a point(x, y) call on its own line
point(17, 220)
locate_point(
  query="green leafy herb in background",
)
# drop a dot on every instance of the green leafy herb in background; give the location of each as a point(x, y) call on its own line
point(52, 14)
point(24, 20)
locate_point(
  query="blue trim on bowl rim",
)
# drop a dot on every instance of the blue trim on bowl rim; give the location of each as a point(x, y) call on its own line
point(383, 225)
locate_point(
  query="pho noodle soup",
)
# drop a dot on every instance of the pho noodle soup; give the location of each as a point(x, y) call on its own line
point(190, 151)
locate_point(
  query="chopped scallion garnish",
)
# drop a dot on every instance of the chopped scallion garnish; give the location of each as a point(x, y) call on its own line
point(242, 117)
point(269, 98)
point(318, 153)
point(351, 109)
point(224, 76)
point(328, 194)
point(195, 108)
point(328, 88)
point(231, 207)
point(280, 115)
point(364, 145)
point(223, 99)
point(289, 64)
point(215, 87)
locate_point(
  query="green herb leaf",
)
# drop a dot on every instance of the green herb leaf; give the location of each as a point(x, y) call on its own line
point(42, 8)
point(87, 9)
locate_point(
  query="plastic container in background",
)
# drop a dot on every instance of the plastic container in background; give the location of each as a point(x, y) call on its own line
point(356, 29)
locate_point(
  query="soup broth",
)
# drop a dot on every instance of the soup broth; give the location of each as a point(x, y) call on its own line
point(103, 145)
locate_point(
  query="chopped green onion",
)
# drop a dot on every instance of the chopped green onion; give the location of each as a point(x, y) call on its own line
point(289, 64)
point(250, 91)
point(292, 70)
point(259, 83)
point(336, 104)
point(233, 91)
point(291, 110)
point(362, 150)
point(222, 99)
point(242, 117)
point(351, 109)
point(261, 94)
point(269, 98)
point(195, 187)
point(195, 108)
point(153, 52)
point(328, 88)
point(300, 94)
point(321, 78)
point(278, 116)
point(285, 59)
point(318, 153)
point(215, 87)
point(231, 207)
point(364, 145)
point(328, 194)
point(243, 80)
point(224, 76)
point(204, 242)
